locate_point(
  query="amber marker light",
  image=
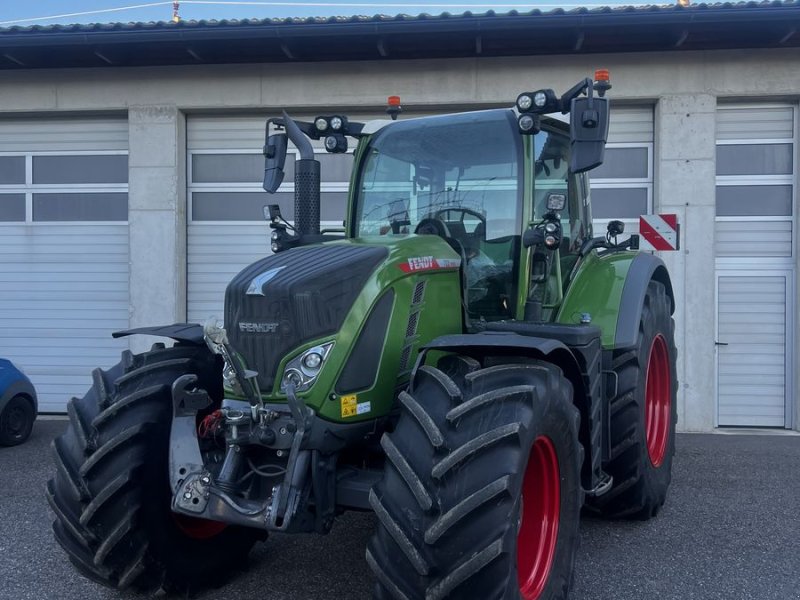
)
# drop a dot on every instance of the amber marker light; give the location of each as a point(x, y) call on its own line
point(393, 109)
point(601, 82)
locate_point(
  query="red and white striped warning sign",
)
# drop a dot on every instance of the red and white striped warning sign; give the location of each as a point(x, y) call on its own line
point(659, 232)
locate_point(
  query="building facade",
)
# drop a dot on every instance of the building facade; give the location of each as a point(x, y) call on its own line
point(130, 169)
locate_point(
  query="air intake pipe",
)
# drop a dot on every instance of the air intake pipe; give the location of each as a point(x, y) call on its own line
point(306, 182)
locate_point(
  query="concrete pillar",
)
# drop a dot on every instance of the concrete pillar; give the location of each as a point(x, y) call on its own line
point(685, 184)
point(157, 217)
point(794, 382)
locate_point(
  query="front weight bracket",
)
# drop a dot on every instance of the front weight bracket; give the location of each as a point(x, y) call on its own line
point(184, 449)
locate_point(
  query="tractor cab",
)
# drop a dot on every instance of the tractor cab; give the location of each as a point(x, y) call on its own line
point(504, 189)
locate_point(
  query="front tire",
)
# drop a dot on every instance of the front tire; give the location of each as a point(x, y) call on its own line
point(111, 494)
point(643, 416)
point(481, 492)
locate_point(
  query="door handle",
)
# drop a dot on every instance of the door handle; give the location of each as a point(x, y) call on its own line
point(720, 343)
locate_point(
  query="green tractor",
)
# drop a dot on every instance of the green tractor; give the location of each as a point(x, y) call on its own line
point(464, 359)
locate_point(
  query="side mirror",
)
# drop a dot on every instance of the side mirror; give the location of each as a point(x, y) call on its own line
point(275, 158)
point(588, 133)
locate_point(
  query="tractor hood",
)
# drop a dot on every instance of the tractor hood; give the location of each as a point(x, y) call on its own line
point(284, 300)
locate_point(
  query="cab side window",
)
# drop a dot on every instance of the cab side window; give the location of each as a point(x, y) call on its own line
point(551, 175)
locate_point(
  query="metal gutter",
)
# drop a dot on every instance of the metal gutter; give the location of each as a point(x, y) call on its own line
point(740, 22)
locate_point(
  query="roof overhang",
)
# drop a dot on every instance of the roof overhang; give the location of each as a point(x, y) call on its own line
point(578, 31)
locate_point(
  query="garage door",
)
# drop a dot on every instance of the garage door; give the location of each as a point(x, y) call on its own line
point(755, 251)
point(622, 187)
point(226, 229)
point(63, 250)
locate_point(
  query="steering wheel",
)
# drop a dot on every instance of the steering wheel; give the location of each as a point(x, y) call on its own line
point(464, 212)
point(432, 226)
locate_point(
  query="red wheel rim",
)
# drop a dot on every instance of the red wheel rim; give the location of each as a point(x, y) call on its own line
point(198, 529)
point(658, 400)
point(539, 513)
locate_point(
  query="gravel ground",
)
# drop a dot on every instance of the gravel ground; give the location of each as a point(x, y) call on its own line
point(730, 530)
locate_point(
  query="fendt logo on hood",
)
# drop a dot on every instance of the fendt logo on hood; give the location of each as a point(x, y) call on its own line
point(246, 327)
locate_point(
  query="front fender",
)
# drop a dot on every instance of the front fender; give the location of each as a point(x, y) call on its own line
point(611, 289)
point(190, 333)
point(499, 342)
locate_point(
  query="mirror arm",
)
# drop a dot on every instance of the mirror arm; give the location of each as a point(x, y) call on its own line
point(573, 92)
point(591, 244)
point(632, 243)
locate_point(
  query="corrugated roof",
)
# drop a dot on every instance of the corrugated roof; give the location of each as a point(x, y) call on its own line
point(559, 31)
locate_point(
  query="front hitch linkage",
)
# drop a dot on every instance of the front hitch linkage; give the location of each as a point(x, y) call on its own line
point(198, 492)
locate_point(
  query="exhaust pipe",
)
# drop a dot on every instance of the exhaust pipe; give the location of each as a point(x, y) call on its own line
point(306, 182)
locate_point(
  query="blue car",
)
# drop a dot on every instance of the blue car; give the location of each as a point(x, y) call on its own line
point(18, 405)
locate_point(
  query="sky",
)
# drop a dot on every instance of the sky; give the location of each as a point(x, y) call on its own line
point(49, 12)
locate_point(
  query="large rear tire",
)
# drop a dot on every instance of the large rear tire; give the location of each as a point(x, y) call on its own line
point(111, 495)
point(643, 416)
point(481, 493)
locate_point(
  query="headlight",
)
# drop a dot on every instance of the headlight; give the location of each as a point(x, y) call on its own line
point(540, 99)
point(303, 370)
point(321, 124)
point(312, 361)
point(336, 123)
point(526, 123)
point(524, 102)
point(336, 143)
point(292, 376)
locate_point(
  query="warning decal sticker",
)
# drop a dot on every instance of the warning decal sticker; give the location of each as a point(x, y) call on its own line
point(352, 407)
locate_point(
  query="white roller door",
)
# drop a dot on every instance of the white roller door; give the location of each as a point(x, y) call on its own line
point(63, 250)
point(622, 187)
point(755, 247)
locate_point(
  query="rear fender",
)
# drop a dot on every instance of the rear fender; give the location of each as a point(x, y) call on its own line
point(644, 269)
point(610, 291)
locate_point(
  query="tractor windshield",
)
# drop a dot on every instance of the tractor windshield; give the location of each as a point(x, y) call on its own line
point(456, 175)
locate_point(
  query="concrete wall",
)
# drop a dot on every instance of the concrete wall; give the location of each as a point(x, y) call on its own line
point(683, 86)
